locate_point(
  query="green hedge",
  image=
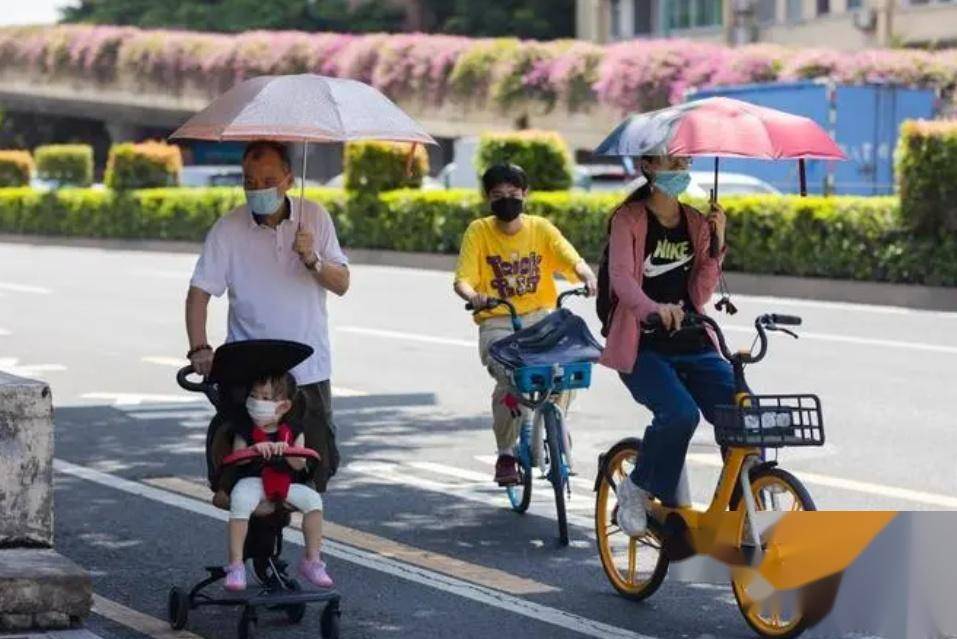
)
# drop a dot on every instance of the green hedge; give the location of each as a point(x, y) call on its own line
point(927, 173)
point(838, 237)
point(143, 165)
point(15, 168)
point(67, 164)
point(381, 166)
point(543, 154)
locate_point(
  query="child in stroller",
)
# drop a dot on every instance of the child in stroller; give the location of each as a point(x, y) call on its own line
point(262, 465)
point(263, 486)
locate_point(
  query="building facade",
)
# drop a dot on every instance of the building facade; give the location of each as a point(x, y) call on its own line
point(846, 24)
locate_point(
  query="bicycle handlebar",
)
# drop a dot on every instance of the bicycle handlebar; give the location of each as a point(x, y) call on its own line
point(763, 324)
point(516, 323)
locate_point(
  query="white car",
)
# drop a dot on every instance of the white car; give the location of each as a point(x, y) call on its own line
point(728, 184)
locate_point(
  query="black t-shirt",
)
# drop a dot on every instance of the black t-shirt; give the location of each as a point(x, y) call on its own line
point(669, 258)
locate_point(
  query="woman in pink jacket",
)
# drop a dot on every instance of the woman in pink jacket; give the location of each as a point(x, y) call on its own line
point(659, 262)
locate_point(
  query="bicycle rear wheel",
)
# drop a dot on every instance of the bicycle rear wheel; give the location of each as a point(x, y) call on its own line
point(783, 615)
point(556, 462)
point(635, 566)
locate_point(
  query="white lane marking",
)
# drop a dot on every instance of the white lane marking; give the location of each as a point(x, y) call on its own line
point(4, 332)
point(24, 288)
point(840, 306)
point(451, 471)
point(162, 360)
point(136, 620)
point(11, 366)
point(75, 633)
point(881, 490)
point(848, 339)
point(135, 399)
point(172, 275)
point(864, 341)
point(372, 561)
point(412, 337)
point(487, 493)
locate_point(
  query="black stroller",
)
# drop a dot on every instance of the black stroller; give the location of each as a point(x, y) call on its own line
point(235, 367)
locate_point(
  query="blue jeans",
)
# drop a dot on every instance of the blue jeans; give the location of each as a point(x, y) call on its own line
point(674, 388)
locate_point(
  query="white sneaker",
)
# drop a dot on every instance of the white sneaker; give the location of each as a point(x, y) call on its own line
point(632, 508)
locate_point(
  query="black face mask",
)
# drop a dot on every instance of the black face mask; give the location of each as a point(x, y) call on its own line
point(507, 208)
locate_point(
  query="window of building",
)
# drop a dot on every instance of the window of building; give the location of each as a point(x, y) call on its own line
point(692, 14)
point(615, 26)
point(795, 10)
point(823, 7)
point(644, 19)
point(854, 4)
point(767, 11)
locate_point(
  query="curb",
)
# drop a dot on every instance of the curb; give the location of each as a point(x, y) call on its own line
point(915, 296)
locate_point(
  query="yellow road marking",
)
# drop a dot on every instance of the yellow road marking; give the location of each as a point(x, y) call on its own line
point(436, 562)
point(142, 623)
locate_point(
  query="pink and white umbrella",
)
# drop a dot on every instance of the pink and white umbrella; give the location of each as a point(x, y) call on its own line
point(722, 127)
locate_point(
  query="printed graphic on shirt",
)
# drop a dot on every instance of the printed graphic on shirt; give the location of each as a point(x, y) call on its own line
point(516, 275)
point(668, 256)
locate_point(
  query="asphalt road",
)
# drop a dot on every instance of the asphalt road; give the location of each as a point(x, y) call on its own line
point(424, 545)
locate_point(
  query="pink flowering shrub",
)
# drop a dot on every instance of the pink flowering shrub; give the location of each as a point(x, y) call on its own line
point(635, 75)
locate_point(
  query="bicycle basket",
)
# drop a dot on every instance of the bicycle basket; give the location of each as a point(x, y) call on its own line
point(770, 421)
point(531, 379)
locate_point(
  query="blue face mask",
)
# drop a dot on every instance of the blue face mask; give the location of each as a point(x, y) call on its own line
point(264, 201)
point(674, 183)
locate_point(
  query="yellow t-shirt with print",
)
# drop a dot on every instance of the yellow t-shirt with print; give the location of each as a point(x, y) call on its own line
point(519, 267)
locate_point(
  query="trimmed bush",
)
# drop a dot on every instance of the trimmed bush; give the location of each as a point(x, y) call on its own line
point(143, 165)
point(381, 166)
point(67, 164)
point(15, 168)
point(543, 154)
point(927, 174)
point(838, 237)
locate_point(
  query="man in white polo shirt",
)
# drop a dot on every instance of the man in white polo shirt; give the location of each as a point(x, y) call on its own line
point(276, 262)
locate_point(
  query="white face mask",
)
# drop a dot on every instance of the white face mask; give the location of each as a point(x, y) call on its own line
point(262, 411)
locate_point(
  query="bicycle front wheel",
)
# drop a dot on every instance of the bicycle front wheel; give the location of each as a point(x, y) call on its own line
point(783, 615)
point(635, 566)
point(557, 473)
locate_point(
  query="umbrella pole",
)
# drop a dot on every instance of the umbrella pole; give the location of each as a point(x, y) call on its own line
point(302, 180)
point(802, 173)
point(714, 193)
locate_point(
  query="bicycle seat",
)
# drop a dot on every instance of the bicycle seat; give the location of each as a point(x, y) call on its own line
point(560, 338)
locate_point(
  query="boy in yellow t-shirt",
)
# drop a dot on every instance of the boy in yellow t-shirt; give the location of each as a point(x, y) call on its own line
point(514, 256)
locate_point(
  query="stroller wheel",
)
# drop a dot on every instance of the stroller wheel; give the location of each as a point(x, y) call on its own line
point(329, 624)
point(295, 612)
point(178, 608)
point(247, 624)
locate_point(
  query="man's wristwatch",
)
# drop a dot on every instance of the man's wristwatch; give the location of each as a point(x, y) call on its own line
point(315, 264)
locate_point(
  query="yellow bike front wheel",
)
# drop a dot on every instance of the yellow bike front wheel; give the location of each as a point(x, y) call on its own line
point(635, 566)
point(783, 614)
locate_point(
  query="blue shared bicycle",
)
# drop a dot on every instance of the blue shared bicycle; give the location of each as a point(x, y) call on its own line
point(543, 361)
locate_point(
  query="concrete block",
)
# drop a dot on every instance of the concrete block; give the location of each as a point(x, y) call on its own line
point(51, 620)
point(36, 581)
point(15, 622)
point(26, 462)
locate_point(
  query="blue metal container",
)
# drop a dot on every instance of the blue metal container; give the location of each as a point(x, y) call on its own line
point(864, 119)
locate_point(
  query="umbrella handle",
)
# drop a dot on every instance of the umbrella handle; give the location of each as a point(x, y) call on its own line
point(714, 248)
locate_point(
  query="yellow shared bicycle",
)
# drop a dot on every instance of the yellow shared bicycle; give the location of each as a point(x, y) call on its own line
point(736, 526)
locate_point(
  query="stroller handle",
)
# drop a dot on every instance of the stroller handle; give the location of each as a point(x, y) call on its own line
point(246, 454)
point(182, 378)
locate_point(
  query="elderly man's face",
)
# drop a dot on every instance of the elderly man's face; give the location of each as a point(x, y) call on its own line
point(264, 170)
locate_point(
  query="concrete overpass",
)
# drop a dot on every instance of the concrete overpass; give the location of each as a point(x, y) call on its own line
point(133, 108)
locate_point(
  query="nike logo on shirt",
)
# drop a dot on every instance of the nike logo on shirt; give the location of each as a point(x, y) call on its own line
point(654, 270)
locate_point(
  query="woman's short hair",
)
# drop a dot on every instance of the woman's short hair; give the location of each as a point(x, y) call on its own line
point(504, 174)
